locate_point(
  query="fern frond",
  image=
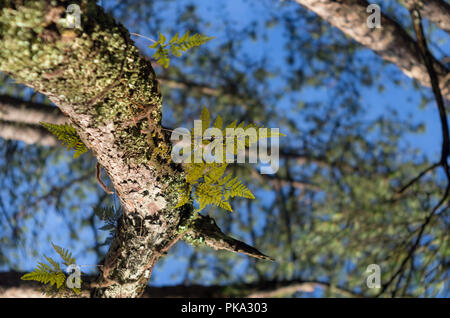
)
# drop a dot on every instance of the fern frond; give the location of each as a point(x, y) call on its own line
point(53, 263)
point(45, 275)
point(235, 188)
point(109, 214)
point(207, 179)
point(177, 45)
point(194, 172)
point(51, 274)
point(185, 195)
point(65, 255)
point(68, 135)
point(188, 41)
point(215, 172)
point(207, 194)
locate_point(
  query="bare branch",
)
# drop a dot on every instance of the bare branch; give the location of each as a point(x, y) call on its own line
point(391, 41)
point(205, 229)
point(29, 134)
point(17, 110)
point(437, 11)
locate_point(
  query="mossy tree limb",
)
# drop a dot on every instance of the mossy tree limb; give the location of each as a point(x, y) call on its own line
point(109, 93)
point(98, 79)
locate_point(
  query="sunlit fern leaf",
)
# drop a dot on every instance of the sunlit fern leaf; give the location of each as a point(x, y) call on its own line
point(235, 188)
point(184, 196)
point(162, 57)
point(53, 263)
point(215, 172)
point(225, 205)
point(46, 275)
point(65, 255)
point(218, 123)
point(188, 41)
point(68, 135)
point(205, 117)
point(194, 172)
point(176, 45)
point(52, 275)
point(207, 194)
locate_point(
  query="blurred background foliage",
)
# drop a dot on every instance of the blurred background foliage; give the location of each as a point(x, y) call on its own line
point(353, 123)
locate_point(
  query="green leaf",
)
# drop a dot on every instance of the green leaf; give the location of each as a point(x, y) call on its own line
point(161, 39)
point(218, 123)
point(68, 135)
point(205, 118)
point(174, 39)
point(65, 255)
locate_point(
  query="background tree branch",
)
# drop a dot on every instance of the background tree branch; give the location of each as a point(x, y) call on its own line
point(391, 42)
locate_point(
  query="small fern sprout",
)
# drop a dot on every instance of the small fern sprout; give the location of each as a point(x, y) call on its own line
point(68, 135)
point(52, 274)
point(177, 45)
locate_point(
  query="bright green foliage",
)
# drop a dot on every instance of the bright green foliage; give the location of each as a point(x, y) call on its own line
point(207, 180)
point(65, 255)
point(177, 45)
point(68, 135)
point(52, 272)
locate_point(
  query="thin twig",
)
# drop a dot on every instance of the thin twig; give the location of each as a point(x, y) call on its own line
point(426, 55)
point(100, 181)
point(139, 35)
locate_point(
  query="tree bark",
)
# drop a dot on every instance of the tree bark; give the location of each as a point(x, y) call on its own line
point(109, 93)
point(391, 42)
point(437, 11)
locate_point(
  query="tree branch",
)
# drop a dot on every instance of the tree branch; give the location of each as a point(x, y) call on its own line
point(17, 110)
point(29, 134)
point(391, 41)
point(437, 11)
point(204, 230)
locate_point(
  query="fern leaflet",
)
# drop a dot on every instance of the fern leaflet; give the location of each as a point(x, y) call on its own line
point(68, 135)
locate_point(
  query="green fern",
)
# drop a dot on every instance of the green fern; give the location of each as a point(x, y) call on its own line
point(206, 181)
point(65, 255)
point(68, 135)
point(176, 45)
point(51, 274)
point(46, 275)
